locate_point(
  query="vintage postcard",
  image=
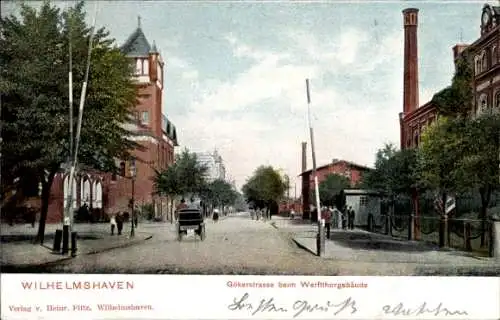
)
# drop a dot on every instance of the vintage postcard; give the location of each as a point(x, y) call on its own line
point(267, 159)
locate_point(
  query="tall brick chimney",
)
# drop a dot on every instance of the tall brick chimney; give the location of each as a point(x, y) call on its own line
point(410, 89)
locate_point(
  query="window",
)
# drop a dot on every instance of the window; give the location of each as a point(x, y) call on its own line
point(145, 67)
point(145, 117)
point(484, 61)
point(363, 201)
point(138, 66)
point(497, 101)
point(494, 55)
point(482, 105)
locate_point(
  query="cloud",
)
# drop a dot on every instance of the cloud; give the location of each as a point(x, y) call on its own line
point(260, 116)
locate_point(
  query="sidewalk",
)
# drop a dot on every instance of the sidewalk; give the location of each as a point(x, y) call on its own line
point(363, 246)
point(17, 248)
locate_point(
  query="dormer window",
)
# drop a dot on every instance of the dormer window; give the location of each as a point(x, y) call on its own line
point(141, 67)
point(138, 66)
point(145, 67)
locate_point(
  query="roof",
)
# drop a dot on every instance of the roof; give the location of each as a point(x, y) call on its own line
point(355, 192)
point(137, 45)
point(351, 164)
point(169, 129)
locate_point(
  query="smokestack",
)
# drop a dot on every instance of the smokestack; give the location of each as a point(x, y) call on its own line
point(410, 89)
point(304, 156)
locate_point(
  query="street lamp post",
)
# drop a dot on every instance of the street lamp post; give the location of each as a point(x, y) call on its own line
point(133, 173)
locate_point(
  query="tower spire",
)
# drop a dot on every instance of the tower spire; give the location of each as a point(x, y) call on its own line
point(138, 22)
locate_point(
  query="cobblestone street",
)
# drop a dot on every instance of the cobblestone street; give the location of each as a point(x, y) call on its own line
point(239, 245)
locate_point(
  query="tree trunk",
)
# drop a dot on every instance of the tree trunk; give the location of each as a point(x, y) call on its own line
point(485, 200)
point(46, 188)
point(171, 209)
point(443, 223)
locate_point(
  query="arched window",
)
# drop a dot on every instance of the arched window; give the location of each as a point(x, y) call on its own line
point(482, 104)
point(484, 61)
point(85, 192)
point(97, 195)
point(477, 65)
point(138, 66)
point(145, 67)
point(66, 192)
point(497, 101)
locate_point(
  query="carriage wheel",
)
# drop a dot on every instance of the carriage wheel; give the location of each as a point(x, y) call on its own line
point(202, 233)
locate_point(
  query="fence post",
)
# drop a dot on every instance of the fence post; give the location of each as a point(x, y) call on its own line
point(410, 227)
point(443, 231)
point(467, 236)
point(386, 224)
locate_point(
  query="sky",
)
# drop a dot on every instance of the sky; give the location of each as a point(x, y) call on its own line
point(235, 72)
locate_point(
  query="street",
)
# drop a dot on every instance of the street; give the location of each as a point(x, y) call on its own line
point(239, 245)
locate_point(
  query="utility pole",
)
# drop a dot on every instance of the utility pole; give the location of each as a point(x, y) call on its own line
point(74, 153)
point(320, 237)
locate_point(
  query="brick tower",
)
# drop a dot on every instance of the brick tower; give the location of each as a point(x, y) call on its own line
point(410, 86)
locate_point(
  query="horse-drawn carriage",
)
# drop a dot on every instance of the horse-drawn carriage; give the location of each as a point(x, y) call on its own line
point(190, 220)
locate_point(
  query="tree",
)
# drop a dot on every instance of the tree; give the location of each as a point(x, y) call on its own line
point(265, 187)
point(34, 86)
point(331, 187)
point(191, 173)
point(167, 183)
point(185, 177)
point(221, 193)
point(479, 161)
point(457, 100)
point(395, 172)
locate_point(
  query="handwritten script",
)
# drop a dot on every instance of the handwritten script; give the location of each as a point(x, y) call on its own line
point(422, 309)
point(298, 307)
point(344, 307)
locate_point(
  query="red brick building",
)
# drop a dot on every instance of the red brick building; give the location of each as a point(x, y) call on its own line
point(485, 53)
point(350, 170)
point(155, 132)
point(486, 65)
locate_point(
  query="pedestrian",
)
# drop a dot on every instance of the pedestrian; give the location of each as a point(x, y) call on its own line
point(215, 216)
point(351, 218)
point(119, 222)
point(345, 212)
point(112, 222)
point(327, 216)
point(337, 217)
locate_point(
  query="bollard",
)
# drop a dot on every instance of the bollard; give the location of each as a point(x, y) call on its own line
point(443, 232)
point(65, 240)
point(57, 241)
point(73, 244)
point(410, 227)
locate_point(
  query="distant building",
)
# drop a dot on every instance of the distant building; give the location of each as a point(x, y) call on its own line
point(214, 163)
